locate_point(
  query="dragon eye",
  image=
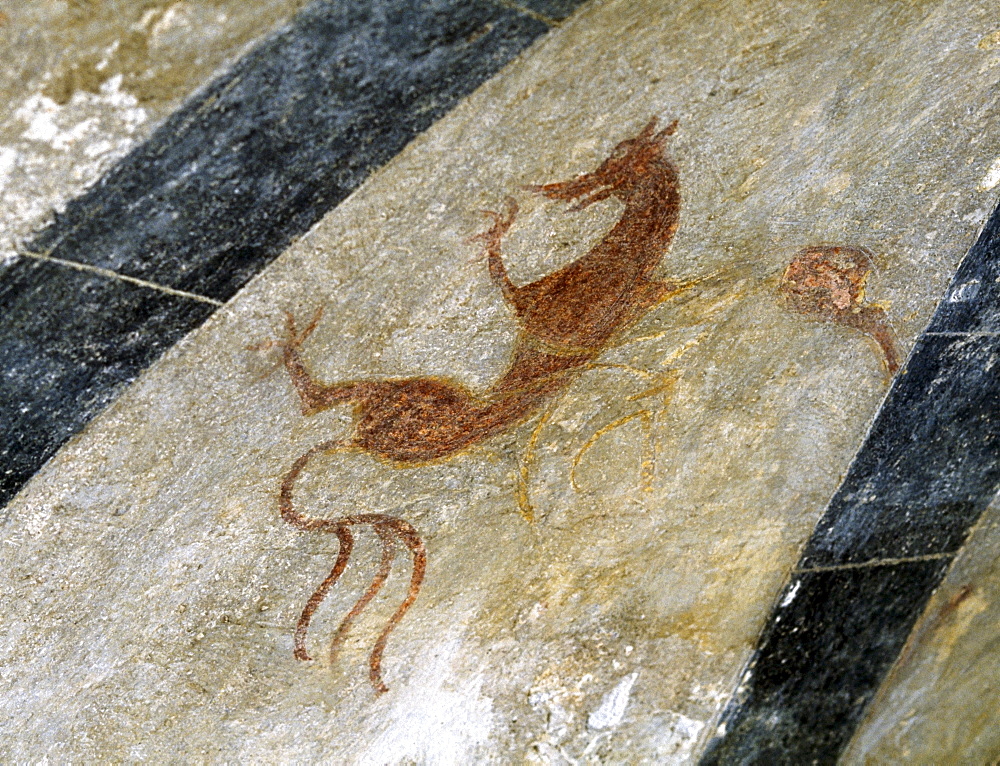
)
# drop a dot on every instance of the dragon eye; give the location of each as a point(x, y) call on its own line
point(621, 150)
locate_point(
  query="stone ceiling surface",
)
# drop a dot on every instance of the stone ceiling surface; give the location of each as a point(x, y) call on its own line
point(680, 452)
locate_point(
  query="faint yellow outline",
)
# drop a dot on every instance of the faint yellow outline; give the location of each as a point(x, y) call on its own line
point(649, 448)
point(524, 475)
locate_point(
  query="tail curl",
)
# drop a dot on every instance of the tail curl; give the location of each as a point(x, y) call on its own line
point(389, 529)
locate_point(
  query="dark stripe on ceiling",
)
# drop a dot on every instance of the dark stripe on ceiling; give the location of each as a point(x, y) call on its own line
point(69, 343)
point(219, 190)
point(927, 470)
point(553, 9)
point(264, 152)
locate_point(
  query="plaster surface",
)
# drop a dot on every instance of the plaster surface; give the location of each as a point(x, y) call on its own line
point(217, 191)
point(941, 703)
point(85, 80)
point(155, 589)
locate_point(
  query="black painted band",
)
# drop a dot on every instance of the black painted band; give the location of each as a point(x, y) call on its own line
point(234, 176)
point(219, 190)
point(927, 470)
point(258, 157)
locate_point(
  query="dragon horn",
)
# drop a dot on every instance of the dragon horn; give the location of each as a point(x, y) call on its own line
point(666, 132)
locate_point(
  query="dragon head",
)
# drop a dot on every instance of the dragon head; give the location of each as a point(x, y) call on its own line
point(629, 162)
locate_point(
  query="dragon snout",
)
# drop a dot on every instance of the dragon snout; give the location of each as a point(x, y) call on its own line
point(596, 185)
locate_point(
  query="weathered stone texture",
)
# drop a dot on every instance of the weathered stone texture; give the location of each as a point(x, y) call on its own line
point(154, 588)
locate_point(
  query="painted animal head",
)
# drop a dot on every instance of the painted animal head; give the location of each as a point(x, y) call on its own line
point(631, 161)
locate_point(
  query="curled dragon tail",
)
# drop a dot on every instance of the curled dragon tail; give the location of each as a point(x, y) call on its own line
point(389, 529)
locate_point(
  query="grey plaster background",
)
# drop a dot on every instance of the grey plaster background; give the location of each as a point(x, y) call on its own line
point(85, 80)
point(155, 589)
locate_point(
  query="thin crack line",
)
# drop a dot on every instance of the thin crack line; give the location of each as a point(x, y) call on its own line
point(960, 333)
point(510, 5)
point(873, 563)
point(123, 277)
